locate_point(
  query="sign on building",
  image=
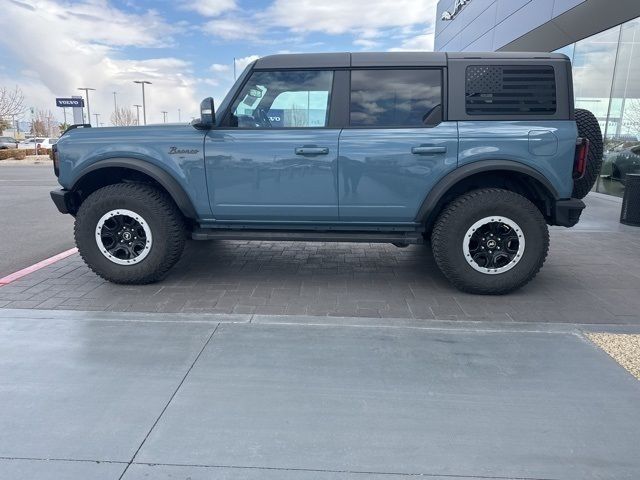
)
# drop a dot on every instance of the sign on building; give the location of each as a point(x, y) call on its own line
point(457, 6)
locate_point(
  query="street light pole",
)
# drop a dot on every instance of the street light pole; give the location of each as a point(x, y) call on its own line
point(115, 102)
point(138, 112)
point(144, 105)
point(86, 92)
point(164, 116)
point(179, 117)
point(97, 120)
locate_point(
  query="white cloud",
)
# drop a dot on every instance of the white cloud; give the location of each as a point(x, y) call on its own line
point(209, 8)
point(340, 16)
point(373, 23)
point(231, 29)
point(65, 45)
point(219, 67)
point(242, 62)
point(421, 42)
point(365, 43)
point(222, 79)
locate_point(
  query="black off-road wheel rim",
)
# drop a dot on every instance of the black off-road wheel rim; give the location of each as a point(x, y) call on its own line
point(123, 237)
point(493, 245)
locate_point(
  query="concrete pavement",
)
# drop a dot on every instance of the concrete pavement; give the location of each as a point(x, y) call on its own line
point(163, 396)
point(32, 228)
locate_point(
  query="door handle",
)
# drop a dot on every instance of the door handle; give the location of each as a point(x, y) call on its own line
point(312, 151)
point(423, 150)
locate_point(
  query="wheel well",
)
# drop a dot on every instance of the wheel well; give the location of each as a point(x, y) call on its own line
point(516, 182)
point(96, 179)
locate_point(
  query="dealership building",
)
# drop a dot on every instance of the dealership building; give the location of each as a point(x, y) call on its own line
point(602, 37)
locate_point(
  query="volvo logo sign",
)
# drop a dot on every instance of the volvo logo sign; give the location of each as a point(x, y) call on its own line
point(457, 6)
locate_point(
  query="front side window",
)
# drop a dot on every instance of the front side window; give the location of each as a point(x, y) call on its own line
point(289, 99)
point(394, 98)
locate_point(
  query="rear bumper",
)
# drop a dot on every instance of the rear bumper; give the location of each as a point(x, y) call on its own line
point(63, 199)
point(567, 212)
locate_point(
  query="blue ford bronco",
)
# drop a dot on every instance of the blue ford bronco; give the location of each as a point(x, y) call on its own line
point(474, 153)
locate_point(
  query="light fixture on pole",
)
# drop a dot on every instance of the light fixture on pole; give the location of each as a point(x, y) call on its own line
point(138, 113)
point(144, 105)
point(164, 116)
point(86, 92)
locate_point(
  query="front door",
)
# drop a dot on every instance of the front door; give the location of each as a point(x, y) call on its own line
point(276, 161)
point(396, 147)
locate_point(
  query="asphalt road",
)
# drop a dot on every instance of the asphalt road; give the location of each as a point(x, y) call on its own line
point(31, 229)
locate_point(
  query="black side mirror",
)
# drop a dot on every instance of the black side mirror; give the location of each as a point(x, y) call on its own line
point(207, 114)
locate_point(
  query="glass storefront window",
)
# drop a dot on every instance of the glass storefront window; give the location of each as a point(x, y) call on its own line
point(606, 72)
point(593, 65)
point(622, 135)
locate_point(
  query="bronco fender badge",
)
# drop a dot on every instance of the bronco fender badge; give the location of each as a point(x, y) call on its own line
point(179, 151)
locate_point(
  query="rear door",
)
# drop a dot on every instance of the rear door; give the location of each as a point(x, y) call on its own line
point(276, 160)
point(397, 145)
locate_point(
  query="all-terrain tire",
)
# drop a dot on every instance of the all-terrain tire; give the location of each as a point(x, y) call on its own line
point(162, 218)
point(589, 128)
point(450, 233)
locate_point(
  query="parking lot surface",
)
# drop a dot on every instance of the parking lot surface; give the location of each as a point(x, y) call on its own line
point(93, 395)
point(32, 228)
point(592, 275)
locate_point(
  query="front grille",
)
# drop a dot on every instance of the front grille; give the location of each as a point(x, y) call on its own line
point(510, 90)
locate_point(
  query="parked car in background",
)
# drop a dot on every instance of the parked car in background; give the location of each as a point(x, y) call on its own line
point(8, 142)
point(625, 161)
point(38, 142)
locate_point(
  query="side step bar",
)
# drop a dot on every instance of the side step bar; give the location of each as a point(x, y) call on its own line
point(401, 238)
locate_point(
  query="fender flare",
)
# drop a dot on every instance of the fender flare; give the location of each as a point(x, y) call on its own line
point(452, 178)
point(160, 175)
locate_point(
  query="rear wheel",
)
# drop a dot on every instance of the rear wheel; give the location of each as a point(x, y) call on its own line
point(490, 241)
point(129, 233)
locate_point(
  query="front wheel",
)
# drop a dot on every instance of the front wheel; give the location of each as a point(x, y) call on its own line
point(490, 241)
point(129, 233)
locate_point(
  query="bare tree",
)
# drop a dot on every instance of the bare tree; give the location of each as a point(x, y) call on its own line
point(43, 123)
point(631, 120)
point(11, 102)
point(299, 116)
point(123, 117)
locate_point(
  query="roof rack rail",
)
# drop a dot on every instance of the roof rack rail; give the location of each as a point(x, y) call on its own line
point(77, 125)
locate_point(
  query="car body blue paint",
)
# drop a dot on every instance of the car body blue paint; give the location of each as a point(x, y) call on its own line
point(546, 146)
point(256, 175)
point(381, 179)
point(369, 177)
point(83, 147)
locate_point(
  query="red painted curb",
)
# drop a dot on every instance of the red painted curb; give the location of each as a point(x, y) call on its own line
point(36, 266)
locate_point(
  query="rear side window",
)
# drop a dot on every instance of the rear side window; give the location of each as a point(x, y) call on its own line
point(510, 90)
point(394, 98)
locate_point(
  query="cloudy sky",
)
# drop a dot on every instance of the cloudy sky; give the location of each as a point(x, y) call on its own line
point(185, 47)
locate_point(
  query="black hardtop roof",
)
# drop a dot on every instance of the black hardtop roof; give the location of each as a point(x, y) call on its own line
point(389, 59)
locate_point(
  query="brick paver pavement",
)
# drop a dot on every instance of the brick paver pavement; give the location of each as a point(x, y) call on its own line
point(592, 275)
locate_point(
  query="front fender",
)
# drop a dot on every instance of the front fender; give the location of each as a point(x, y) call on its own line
point(163, 177)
